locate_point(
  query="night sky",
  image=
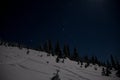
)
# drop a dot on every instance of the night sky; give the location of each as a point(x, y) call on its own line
point(93, 26)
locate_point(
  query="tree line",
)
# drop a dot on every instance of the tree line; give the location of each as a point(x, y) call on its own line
point(75, 56)
point(64, 53)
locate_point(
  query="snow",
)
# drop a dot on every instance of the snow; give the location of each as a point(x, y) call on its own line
point(15, 64)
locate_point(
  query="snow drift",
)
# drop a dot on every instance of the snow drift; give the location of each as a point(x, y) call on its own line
point(15, 64)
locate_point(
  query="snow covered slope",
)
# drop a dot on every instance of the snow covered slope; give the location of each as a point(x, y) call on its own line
point(15, 64)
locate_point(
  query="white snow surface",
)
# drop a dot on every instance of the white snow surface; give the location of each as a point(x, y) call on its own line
point(15, 64)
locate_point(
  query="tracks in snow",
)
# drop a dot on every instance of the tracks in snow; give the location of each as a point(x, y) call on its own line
point(30, 69)
point(18, 64)
point(81, 77)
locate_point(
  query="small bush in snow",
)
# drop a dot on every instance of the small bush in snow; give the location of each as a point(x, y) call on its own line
point(27, 52)
point(95, 68)
point(63, 61)
point(57, 60)
point(81, 63)
point(47, 62)
point(87, 64)
point(56, 77)
point(78, 62)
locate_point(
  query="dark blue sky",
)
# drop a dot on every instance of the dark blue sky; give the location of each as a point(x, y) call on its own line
point(91, 26)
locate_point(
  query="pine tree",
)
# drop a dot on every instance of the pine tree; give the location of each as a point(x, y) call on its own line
point(113, 62)
point(39, 48)
point(117, 64)
point(60, 54)
point(66, 51)
point(50, 48)
point(99, 63)
point(93, 60)
point(108, 67)
point(58, 50)
point(108, 64)
point(45, 47)
point(96, 60)
point(81, 63)
point(117, 68)
point(0, 42)
point(75, 55)
point(103, 64)
point(86, 59)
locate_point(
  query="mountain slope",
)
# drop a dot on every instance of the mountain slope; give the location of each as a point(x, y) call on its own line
point(15, 64)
